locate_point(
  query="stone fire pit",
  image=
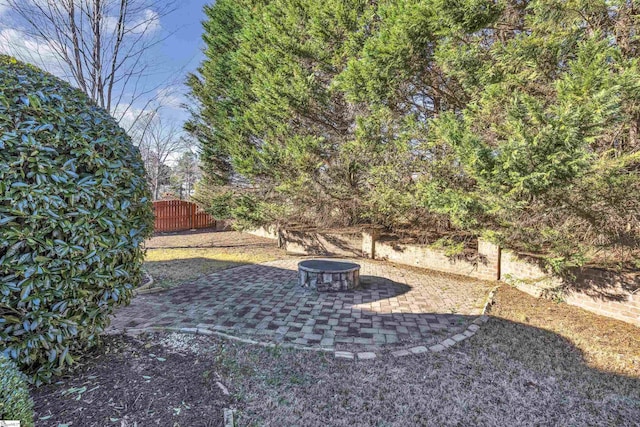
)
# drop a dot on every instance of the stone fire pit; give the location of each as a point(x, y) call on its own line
point(328, 276)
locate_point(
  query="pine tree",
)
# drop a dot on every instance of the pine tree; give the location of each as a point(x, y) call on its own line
point(515, 119)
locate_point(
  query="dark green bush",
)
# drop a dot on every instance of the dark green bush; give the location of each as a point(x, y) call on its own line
point(15, 402)
point(74, 212)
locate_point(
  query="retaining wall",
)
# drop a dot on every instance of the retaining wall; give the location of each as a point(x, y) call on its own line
point(266, 232)
point(604, 292)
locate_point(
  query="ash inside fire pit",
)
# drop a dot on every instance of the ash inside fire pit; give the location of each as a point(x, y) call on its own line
point(328, 276)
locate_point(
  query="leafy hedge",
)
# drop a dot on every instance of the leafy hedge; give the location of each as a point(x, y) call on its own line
point(74, 212)
point(15, 402)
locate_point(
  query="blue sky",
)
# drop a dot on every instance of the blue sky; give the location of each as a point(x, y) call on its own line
point(186, 44)
point(182, 50)
point(179, 52)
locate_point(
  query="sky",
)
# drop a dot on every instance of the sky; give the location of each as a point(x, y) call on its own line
point(182, 48)
point(178, 53)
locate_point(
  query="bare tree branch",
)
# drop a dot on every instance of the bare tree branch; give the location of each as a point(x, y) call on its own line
point(101, 45)
point(158, 141)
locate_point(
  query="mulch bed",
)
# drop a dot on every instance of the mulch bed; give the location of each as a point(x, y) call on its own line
point(128, 382)
point(536, 362)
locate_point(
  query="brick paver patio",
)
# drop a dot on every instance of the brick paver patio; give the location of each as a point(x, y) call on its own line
point(396, 307)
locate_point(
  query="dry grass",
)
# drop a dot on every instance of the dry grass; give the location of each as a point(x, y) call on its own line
point(607, 344)
point(535, 363)
point(209, 239)
point(170, 267)
point(509, 374)
point(177, 258)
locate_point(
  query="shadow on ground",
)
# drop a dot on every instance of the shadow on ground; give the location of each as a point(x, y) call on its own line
point(171, 273)
point(264, 303)
point(508, 374)
point(209, 239)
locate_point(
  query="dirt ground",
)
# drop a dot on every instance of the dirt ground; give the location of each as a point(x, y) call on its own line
point(534, 363)
point(175, 258)
point(129, 382)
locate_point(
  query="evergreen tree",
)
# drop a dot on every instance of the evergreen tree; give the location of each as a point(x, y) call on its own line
point(548, 136)
point(185, 174)
point(517, 119)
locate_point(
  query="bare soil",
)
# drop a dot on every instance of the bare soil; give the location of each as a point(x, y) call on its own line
point(133, 382)
point(534, 363)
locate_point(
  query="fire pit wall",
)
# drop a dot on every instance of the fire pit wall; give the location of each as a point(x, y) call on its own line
point(311, 277)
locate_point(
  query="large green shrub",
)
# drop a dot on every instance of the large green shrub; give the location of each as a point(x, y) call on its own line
point(15, 402)
point(74, 212)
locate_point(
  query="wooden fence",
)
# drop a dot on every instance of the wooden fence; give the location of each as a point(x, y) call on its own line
point(179, 215)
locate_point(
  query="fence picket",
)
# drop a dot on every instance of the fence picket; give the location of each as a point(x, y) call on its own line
point(180, 215)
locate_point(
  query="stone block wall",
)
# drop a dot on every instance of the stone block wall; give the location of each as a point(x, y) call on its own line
point(489, 259)
point(486, 266)
point(527, 274)
point(604, 292)
point(369, 238)
point(609, 293)
point(433, 259)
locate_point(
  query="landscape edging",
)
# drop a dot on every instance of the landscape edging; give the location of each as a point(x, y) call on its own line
point(338, 354)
